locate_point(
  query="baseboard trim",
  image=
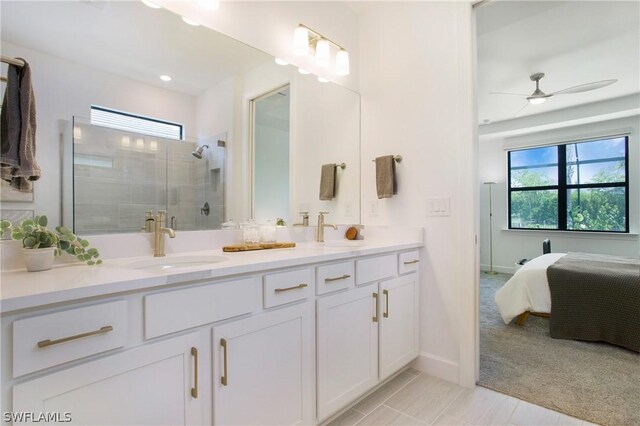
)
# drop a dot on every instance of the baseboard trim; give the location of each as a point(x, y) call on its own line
point(502, 269)
point(437, 366)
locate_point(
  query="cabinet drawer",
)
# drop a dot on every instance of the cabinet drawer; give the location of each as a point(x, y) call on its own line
point(408, 261)
point(376, 268)
point(286, 287)
point(52, 339)
point(336, 276)
point(178, 310)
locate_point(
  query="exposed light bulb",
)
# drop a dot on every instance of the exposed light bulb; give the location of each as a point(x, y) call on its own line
point(190, 22)
point(126, 141)
point(342, 62)
point(301, 41)
point(322, 80)
point(323, 52)
point(536, 101)
point(281, 62)
point(77, 133)
point(165, 77)
point(210, 5)
point(151, 4)
point(303, 71)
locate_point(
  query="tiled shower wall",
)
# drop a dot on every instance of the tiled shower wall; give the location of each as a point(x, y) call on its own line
point(118, 176)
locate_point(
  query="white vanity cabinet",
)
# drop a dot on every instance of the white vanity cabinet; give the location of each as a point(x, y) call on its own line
point(264, 368)
point(159, 384)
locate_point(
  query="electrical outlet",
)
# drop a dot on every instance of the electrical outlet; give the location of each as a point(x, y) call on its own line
point(373, 208)
point(348, 209)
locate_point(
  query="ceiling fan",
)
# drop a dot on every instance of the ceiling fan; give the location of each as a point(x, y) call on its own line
point(538, 96)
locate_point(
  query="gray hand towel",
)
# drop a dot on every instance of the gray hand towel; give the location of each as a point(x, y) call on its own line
point(328, 181)
point(386, 184)
point(18, 130)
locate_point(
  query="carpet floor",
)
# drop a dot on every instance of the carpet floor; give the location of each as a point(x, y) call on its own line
point(596, 382)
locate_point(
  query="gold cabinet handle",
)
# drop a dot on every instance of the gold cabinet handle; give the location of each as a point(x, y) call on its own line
point(344, 277)
point(295, 287)
point(411, 262)
point(386, 303)
point(224, 377)
point(375, 315)
point(194, 389)
point(49, 342)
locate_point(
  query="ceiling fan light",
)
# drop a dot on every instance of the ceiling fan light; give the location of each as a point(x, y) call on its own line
point(301, 41)
point(536, 101)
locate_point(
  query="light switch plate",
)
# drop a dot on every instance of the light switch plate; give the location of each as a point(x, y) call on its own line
point(435, 207)
point(373, 208)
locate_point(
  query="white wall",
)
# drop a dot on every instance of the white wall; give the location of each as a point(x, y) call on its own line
point(269, 26)
point(417, 101)
point(63, 90)
point(510, 246)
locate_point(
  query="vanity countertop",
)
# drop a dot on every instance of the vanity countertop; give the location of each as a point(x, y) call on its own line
point(25, 290)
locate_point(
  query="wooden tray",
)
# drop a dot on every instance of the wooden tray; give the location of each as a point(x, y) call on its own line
point(261, 246)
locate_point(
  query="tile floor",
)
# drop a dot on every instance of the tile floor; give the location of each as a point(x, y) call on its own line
point(414, 398)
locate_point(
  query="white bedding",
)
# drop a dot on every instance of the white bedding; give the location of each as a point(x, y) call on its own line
point(528, 289)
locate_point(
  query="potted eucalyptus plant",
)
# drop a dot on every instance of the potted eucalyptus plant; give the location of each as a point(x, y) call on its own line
point(40, 244)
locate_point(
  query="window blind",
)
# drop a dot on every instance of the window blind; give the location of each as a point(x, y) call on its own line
point(135, 123)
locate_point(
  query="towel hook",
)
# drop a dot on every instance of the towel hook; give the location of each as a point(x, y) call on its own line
point(342, 165)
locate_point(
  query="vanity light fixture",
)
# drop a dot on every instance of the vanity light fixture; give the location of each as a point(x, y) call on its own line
point(126, 141)
point(303, 71)
point(165, 77)
point(77, 133)
point(210, 5)
point(153, 146)
point(151, 4)
point(139, 143)
point(190, 22)
point(306, 40)
point(281, 62)
point(322, 80)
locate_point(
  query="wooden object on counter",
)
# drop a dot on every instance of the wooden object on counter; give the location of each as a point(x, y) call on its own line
point(352, 233)
point(261, 246)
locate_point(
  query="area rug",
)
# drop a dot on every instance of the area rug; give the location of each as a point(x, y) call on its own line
point(596, 382)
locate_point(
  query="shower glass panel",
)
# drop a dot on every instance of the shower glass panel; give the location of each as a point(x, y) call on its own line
point(118, 176)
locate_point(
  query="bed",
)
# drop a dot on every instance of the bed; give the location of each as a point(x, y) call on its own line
point(595, 297)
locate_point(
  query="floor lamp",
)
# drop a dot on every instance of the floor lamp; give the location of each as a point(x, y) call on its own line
point(490, 271)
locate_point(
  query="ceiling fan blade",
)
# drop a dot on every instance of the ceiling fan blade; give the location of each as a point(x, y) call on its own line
point(505, 93)
point(522, 109)
point(585, 87)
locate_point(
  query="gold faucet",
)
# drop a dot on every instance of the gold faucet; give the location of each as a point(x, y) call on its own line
point(322, 225)
point(305, 219)
point(159, 231)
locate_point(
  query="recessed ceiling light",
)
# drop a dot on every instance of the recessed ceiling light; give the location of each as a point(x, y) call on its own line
point(151, 4)
point(322, 80)
point(210, 4)
point(303, 71)
point(190, 22)
point(281, 62)
point(165, 77)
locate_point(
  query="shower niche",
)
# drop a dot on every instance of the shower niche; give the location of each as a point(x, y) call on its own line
point(117, 176)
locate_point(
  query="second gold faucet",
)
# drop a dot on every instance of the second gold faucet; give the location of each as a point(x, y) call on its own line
point(159, 231)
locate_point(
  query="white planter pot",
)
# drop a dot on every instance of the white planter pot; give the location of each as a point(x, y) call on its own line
point(38, 259)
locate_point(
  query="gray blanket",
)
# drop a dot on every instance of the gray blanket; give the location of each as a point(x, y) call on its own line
point(596, 298)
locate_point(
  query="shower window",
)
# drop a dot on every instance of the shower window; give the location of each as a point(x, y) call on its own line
point(129, 122)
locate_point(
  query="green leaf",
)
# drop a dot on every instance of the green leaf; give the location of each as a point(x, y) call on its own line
point(91, 262)
point(42, 221)
point(93, 252)
point(64, 245)
point(29, 242)
point(63, 230)
point(99, 262)
point(84, 243)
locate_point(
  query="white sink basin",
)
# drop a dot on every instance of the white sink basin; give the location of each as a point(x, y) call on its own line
point(344, 243)
point(174, 262)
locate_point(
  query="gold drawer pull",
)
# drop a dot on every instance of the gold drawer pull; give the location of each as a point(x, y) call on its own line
point(194, 389)
point(386, 303)
point(344, 277)
point(411, 262)
point(295, 287)
point(223, 378)
point(375, 314)
point(49, 342)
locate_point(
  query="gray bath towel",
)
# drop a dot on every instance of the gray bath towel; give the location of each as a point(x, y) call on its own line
point(328, 181)
point(386, 183)
point(18, 130)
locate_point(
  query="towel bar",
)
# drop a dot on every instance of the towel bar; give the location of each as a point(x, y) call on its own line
point(398, 158)
point(341, 165)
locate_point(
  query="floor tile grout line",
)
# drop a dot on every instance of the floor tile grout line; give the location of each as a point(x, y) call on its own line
point(513, 412)
point(356, 410)
point(451, 402)
point(406, 415)
point(390, 396)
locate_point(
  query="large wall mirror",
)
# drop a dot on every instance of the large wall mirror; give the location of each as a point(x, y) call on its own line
point(139, 111)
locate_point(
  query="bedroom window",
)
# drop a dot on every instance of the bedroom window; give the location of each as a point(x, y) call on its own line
point(581, 186)
point(114, 119)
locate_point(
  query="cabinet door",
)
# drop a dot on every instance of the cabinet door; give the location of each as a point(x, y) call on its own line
point(149, 385)
point(398, 323)
point(263, 369)
point(347, 348)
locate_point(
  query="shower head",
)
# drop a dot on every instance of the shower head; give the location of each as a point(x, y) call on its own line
point(198, 152)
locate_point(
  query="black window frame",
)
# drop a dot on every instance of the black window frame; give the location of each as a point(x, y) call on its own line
point(562, 187)
point(142, 117)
